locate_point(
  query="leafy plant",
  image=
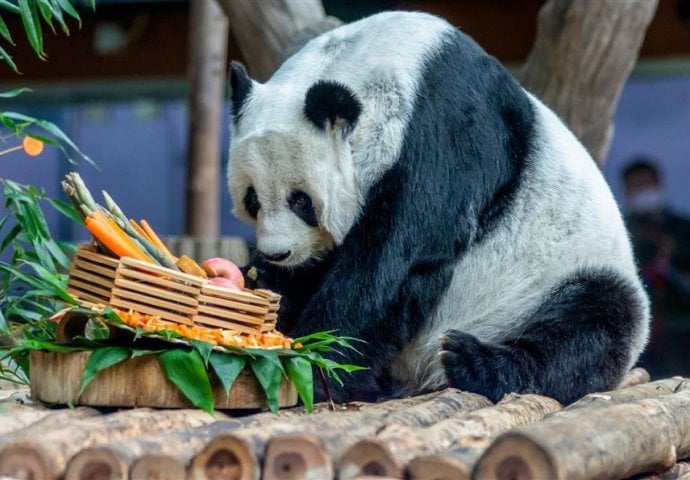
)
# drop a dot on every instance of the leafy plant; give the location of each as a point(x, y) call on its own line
point(35, 14)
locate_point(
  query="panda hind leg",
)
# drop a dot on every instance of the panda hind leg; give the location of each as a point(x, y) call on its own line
point(578, 341)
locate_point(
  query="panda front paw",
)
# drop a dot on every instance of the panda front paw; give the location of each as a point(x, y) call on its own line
point(472, 365)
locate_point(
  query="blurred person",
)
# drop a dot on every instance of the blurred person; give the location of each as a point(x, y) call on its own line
point(661, 241)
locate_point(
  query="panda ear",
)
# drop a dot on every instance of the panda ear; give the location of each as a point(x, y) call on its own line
point(332, 102)
point(241, 86)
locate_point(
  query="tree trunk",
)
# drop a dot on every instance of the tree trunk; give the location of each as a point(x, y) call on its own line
point(389, 451)
point(267, 32)
point(207, 64)
point(608, 442)
point(582, 56)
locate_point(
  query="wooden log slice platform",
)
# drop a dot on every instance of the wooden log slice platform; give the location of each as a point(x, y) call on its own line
point(56, 378)
point(640, 431)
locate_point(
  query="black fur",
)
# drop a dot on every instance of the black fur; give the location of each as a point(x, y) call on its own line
point(241, 87)
point(251, 202)
point(300, 203)
point(465, 146)
point(576, 342)
point(328, 101)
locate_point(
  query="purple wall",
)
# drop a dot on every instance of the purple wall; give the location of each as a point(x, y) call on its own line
point(653, 118)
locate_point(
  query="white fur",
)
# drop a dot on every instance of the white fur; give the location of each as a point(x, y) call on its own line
point(564, 219)
point(276, 149)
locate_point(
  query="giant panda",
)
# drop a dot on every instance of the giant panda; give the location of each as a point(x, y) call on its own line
point(406, 191)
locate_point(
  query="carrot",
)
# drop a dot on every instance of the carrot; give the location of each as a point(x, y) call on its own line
point(112, 237)
point(140, 230)
point(155, 239)
point(32, 146)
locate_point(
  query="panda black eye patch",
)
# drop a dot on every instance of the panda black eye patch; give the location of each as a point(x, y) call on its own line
point(300, 203)
point(251, 202)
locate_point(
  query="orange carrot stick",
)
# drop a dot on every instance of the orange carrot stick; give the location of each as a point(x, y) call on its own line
point(112, 237)
point(140, 230)
point(155, 239)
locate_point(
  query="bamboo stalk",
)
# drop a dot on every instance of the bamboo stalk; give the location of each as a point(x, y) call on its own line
point(608, 442)
point(455, 463)
point(389, 451)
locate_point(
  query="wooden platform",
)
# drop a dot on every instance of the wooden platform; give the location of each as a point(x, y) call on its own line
point(641, 430)
point(137, 382)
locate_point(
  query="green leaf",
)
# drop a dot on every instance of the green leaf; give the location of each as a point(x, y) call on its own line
point(227, 367)
point(100, 359)
point(268, 374)
point(5, 32)
point(32, 26)
point(203, 348)
point(7, 58)
point(141, 352)
point(45, 9)
point(299, 371)
point(4, 326)
point(69, 10)
point(66, 209)
point(9, 6)
point(14, 93)
point(185, 369)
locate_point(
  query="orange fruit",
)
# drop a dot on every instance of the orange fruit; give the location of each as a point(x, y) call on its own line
point(32, 146)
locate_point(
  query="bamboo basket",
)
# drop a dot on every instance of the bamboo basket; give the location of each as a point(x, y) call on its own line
point(130, 284)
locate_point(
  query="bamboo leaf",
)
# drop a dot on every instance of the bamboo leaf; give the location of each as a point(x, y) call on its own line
point(185, 369)
point(69, 10)
point(227, 367)
point(32, 27)
point(5, 32)
point(268, 374)
point(14, 93)
point(8, 59)
point(100, 359)
point(4, 326)
point(299, 371)
point(9, 6)
point(45, 10)
point(66, 209)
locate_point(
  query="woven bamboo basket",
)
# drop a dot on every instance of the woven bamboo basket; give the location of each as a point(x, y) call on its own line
point(130, 284)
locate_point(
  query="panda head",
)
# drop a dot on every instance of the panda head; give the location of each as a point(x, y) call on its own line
point(291, 171)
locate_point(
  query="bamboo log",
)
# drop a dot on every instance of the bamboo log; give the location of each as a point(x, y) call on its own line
point(15, 417)
point(243, 450)
point(680, 470)
point(609, 442)
point(635, 376)
point(455, 463)
point(395, 445)
point(626, 395)
point(46, 455)
point(53, 420)
point(163, 454)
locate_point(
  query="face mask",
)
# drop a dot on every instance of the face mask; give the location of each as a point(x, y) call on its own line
point(649, 200)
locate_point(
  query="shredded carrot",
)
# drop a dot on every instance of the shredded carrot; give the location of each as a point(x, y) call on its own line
point(155, 239)
point(215, 336)
point(112, 237)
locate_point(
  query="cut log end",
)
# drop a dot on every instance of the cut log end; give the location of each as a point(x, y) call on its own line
point(296, 456)
point(636, 376)
point(435, 467)
point(226, 457)
point(514, 457)
point(19, 461)
point(96, 463)
point(369, 457)
point(158, 466)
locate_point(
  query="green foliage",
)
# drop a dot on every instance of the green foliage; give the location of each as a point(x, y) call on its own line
point(185, 368)
point(35, 15)
point(100, 359)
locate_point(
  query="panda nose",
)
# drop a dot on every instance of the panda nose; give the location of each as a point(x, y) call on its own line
point(277, 257)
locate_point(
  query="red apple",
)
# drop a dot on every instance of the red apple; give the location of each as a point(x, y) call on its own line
point(223, 268)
